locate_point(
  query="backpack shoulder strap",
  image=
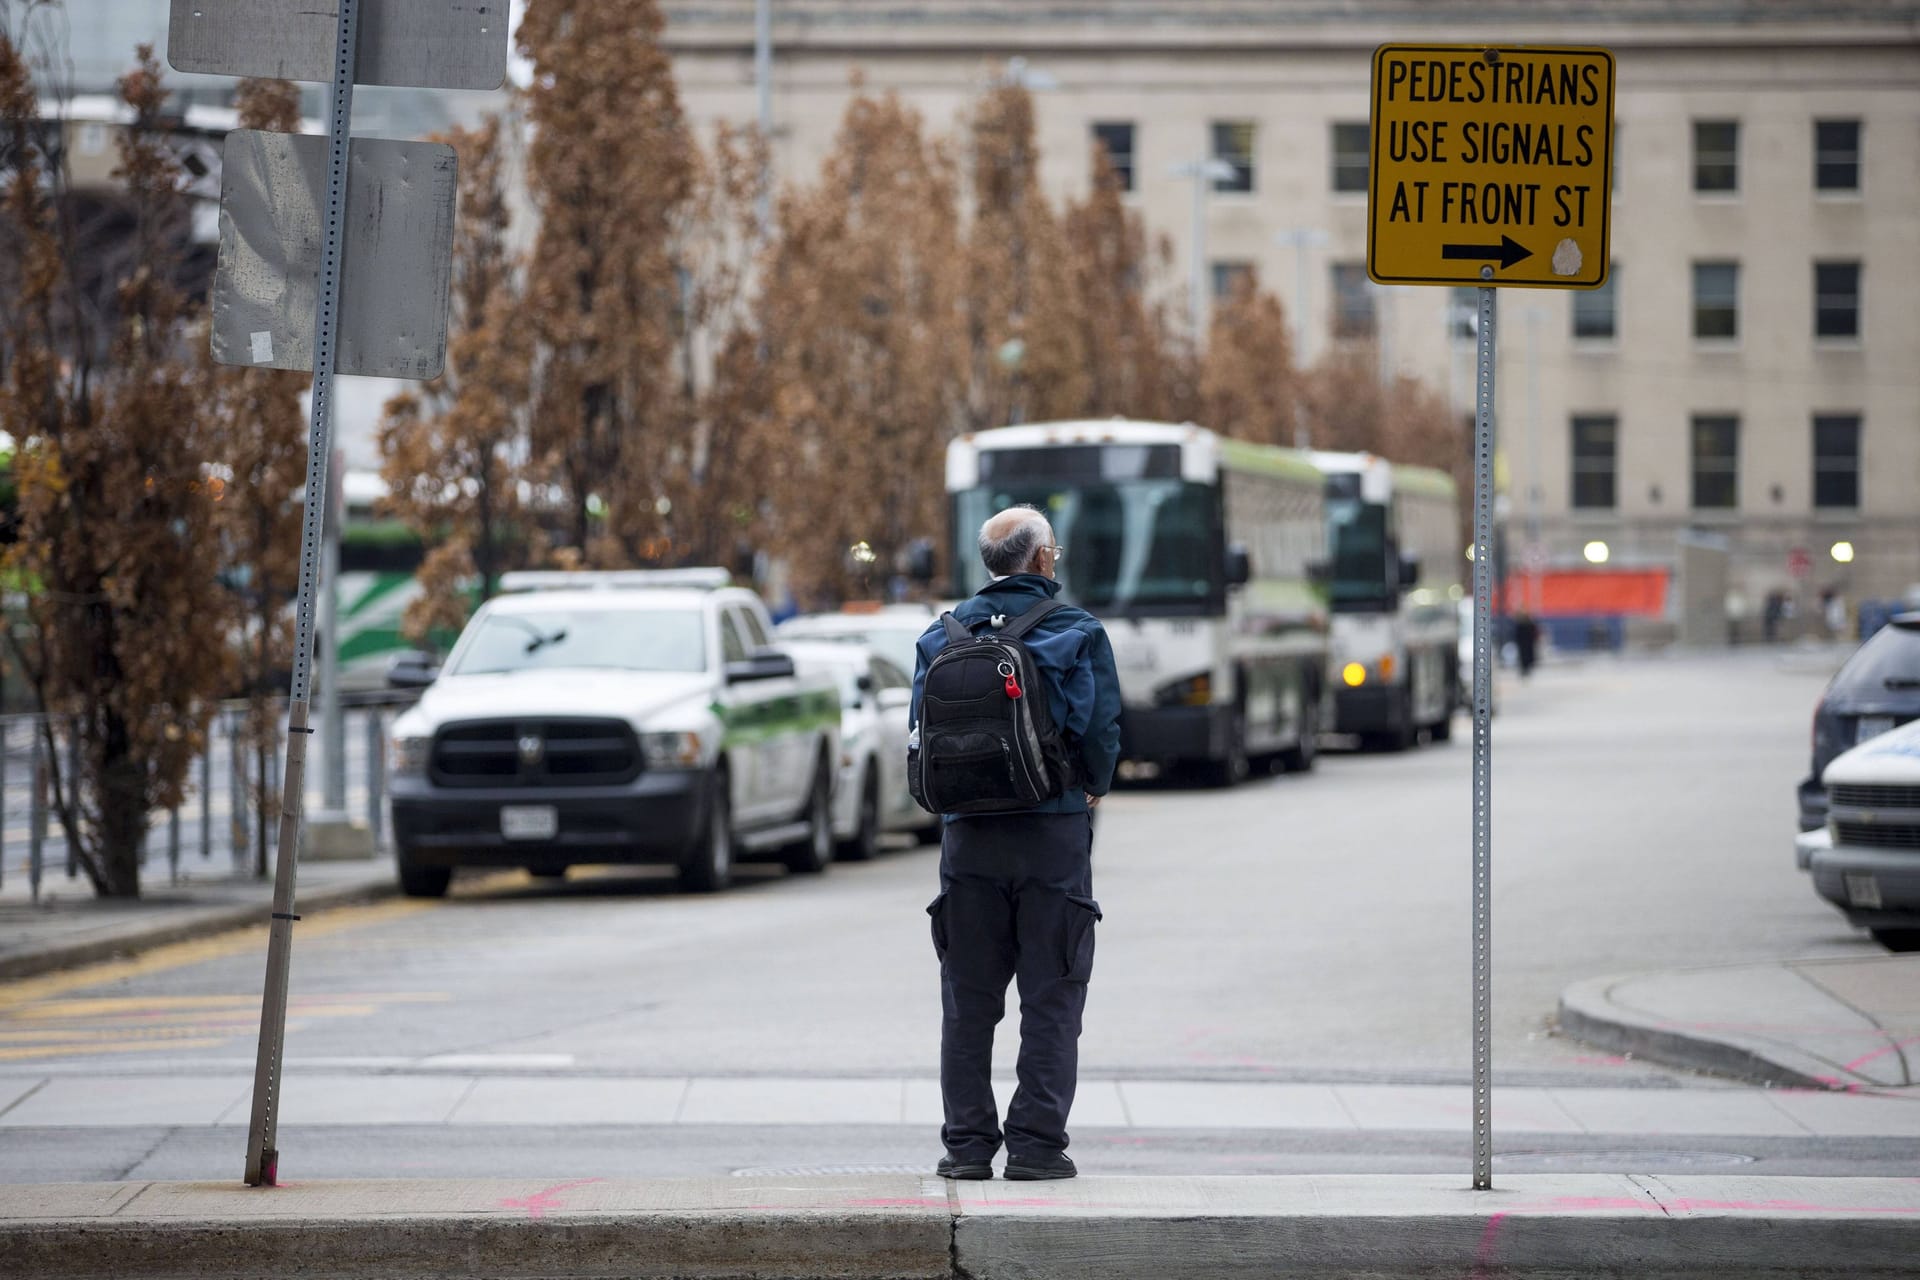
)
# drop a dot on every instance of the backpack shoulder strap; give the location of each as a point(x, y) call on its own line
point(956, 630)
point(1032, 618)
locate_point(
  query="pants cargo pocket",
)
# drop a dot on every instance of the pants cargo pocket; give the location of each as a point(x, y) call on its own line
point(1082, 914)
point(937, 911)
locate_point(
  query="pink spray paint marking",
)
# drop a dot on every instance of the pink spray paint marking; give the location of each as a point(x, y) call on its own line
point(539, 1202)
point(1483, 1257)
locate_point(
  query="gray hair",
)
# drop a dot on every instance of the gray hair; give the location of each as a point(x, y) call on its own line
point(1013, 550)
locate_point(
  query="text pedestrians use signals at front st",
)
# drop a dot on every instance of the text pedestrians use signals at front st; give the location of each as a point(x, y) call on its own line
point(1490, 157)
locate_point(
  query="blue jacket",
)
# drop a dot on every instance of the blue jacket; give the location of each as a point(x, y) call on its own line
point(1071, 650)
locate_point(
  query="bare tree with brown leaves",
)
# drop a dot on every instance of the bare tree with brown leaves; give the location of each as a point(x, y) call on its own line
point(454, 451)
point(609, 164)
point(722, 442)
point(1248, 388)
point(867, 347)
point(1136, 366)
point(1028, 357)
point(127, 630)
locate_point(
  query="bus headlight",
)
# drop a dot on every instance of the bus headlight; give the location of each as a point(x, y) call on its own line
point(407, 756)
point(670, 750)
point(1353, 675)
point(1194, 691)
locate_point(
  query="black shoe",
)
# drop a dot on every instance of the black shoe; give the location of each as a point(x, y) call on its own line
point(964, 1170)
point(1041, 1168)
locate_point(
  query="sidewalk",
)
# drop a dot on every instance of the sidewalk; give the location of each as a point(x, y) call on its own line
point(71, 927)
point(1848, 1024)
point(485, 1090)
point(900, 1226)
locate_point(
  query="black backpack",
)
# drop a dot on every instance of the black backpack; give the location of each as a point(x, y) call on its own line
point(987, 741)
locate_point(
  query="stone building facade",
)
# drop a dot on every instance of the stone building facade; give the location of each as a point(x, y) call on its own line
point(1752, 375)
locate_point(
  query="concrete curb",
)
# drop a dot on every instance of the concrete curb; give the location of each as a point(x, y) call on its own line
point(1588, 1013)
point(200, 923)
point(912, 1228)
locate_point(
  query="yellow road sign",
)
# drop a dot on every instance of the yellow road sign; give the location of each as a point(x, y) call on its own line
point(1490, 165)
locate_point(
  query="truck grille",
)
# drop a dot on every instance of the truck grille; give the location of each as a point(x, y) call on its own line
point(535, 753)
point(1860, 796)
point(1873, 835)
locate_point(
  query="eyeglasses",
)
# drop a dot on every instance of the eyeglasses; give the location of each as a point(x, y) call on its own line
point(1059, 553)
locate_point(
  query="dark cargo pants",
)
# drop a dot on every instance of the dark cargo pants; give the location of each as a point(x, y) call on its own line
point(1015, 902)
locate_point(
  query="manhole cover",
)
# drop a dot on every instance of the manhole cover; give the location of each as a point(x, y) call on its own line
point(825, 1170)
point(1630, 1160)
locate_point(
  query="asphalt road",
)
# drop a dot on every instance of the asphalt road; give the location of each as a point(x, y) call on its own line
point(1296, 929)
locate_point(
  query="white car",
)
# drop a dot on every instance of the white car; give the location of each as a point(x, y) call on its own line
point(631, 717)
point(1866, 861)
point(892, 629)
point(871, 794)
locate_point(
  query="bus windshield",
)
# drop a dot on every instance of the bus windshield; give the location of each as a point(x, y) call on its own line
point(1140, 544)
point(1365, 569)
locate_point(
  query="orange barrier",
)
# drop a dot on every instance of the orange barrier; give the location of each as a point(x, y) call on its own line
point(1585, 592)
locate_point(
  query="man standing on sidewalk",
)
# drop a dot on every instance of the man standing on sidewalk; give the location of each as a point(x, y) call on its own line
point(1016, 888)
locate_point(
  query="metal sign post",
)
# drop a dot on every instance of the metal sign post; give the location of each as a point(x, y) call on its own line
point(1483, 744)
point(1491, 167)
point(394, 201)
point(263, 1157)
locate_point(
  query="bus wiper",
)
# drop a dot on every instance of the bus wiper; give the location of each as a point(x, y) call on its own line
point(540, 642)
point(1901, 682)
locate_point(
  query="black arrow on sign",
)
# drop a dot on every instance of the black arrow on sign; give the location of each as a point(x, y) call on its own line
point(1506, 253)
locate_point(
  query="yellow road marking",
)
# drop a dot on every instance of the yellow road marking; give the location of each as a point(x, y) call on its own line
point(21, 1055)
point(178, 955)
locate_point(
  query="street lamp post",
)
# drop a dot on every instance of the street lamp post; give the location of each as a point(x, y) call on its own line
point(1302, 240)
point(1200, 172)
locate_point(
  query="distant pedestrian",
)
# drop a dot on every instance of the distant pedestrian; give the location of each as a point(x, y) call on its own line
point(1771, 613)
point(1526, 641)
point(1016, 882)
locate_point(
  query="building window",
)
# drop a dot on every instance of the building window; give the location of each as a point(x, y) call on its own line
point(1716, 155)
point(1233, 143)
point(1463, 313)
point(1836, 299)
point(1229, 278)
point(1716, 299)
point(1596, 444)
point(1350, 157)
point(1116, 139)
point(1836, 155)
point(1836, 459)
point(1596, 311)
point(1352, 301)
point(1716, 462)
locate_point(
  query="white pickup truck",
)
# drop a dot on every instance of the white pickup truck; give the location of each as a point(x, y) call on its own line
point(628, 717)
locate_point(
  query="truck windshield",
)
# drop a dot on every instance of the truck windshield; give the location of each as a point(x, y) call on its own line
point(1365, 569)
point(622, 639)
point(1132, 545)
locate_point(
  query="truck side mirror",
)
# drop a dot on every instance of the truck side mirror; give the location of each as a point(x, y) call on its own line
point(1239, 565)
point(1409, 571)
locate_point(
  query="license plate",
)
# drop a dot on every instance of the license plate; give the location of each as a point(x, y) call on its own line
point(1863, 891)
point(529, 821)
point(1872, 727)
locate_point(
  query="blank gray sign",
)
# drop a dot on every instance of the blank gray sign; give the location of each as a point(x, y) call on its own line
point(427, 44)
point(399, 254)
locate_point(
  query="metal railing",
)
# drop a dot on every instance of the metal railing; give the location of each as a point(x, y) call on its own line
point(231, 798)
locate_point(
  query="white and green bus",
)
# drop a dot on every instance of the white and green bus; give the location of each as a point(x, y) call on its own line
point(1395, 577)
point(1198, 553)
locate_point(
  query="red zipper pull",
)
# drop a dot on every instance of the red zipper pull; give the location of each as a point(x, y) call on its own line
point(1013, 687)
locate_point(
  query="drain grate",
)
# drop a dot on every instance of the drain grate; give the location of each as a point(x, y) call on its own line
point(826, 1170)
point(1628, 1160)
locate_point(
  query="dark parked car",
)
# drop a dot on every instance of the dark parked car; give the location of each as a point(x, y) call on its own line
point(1877, 690)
